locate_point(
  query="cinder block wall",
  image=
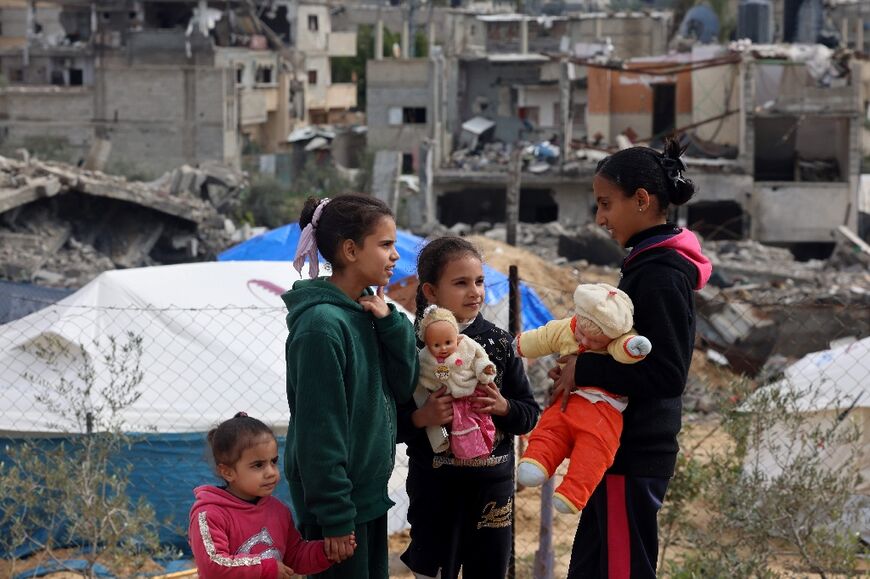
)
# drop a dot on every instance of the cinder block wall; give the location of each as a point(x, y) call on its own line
point(156, 117)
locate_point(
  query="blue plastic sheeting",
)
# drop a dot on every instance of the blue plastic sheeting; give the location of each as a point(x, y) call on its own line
point(280, 245)
point(72, 565)
point(165, 470)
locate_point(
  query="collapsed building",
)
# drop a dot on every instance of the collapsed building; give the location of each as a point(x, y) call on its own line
point(153, 84)
point(60, 226)
point(773, 132)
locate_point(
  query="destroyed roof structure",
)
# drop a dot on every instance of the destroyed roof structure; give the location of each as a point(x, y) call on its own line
point(150, 84)
point(60, 225)
point(752, 117)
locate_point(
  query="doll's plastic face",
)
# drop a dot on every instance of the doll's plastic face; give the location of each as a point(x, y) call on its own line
point(590, 342)
point(441, 339)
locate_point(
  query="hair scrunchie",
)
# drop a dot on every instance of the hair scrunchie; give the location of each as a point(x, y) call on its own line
point(307, 246)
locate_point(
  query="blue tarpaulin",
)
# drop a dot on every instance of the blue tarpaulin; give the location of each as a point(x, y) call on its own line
point(165, 470)
point(280, 245)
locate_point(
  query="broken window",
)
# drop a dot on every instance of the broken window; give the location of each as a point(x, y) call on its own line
point(536, 206)
point(529, 115)
point(264, 75)
point(312, 23)
point(240, 75)
point(664, 108)
point(800, 149)
point(716, 220)
point(167, 14)
point(312, 77)
point(57, 78)
point(407, 164)
point(76, 77)
point(414, 115)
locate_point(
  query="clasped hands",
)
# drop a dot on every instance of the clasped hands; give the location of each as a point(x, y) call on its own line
point(438, 409)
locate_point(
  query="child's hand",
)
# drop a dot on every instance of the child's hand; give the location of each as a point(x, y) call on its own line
point(563, 376)
point(375, 304)
point(339, 548)
point(491, 401)
point(489, 370)
point(437, 411)
point(284, 572)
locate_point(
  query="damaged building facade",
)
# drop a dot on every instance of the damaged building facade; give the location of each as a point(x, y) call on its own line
point(773, 131)
point(493, 81)
point(159, 84)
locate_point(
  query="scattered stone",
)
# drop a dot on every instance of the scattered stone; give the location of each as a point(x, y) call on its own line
point(460, 229)
point(119, 223)
point(593, 245)
point(481, 227)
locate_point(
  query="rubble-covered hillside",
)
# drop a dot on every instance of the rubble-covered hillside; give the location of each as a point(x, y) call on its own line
point(61, 225)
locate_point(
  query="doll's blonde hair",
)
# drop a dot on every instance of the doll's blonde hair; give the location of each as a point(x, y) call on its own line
point(434, 314)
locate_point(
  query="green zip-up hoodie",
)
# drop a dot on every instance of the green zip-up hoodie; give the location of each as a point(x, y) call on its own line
point(345, 371)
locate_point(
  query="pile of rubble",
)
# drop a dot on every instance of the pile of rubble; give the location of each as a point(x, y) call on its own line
point(761, 303)
point(61, 225)
point(766, 275)
point(556, 243)
point(537, 157)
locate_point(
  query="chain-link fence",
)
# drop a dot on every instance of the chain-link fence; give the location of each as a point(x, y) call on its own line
point(200, 366)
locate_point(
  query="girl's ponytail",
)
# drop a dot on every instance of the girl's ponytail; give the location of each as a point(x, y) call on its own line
point(660, 174)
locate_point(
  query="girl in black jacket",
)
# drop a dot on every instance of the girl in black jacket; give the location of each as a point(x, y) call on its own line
point(460, 510)
point(618, 532)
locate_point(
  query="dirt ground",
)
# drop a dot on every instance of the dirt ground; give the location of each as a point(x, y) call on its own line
point(553, 283)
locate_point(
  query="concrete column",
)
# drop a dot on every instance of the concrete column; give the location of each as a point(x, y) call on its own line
point(524, 36)
point(29, 17)
point(406, 38)
point(565, 108)
point(431, 35)
point(379, 40)
point(844, 31)
point(859, 34)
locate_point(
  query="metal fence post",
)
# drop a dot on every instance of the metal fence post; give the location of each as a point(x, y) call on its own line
point(514, 327)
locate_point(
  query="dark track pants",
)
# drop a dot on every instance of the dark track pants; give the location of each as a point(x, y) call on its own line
point(617, 537)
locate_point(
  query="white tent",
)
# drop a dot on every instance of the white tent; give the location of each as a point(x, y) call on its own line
point(834, 386)
point(213, 344)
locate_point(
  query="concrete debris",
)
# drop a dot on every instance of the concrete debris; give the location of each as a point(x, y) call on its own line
point(593, 244)
point(764, 303)
point(495, 156)
point(773, 305)
point(61, 225)
point(767, 275)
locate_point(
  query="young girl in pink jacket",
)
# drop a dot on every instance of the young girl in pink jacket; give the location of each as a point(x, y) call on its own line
point(240, 530)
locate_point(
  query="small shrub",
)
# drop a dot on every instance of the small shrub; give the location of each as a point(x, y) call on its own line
point(75, 490)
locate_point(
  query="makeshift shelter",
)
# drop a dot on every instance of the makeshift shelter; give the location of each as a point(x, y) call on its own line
point(833, 388)
point(212, 345)
point(280, 244)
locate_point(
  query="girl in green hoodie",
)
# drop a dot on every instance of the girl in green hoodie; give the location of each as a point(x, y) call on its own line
point(350, 357)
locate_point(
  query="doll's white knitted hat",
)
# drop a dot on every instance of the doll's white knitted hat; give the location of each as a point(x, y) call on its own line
point(609, 308)
point(434, 314)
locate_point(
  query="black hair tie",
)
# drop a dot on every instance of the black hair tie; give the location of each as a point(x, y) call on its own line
point(673, 169)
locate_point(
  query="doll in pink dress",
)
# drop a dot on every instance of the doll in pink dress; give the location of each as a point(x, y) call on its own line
point(458, 362)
